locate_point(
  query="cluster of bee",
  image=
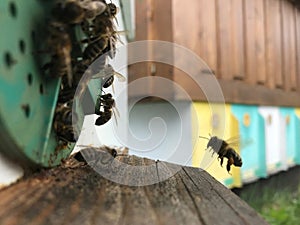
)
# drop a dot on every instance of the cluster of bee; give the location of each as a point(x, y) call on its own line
point(71, 56)
point(224, 150)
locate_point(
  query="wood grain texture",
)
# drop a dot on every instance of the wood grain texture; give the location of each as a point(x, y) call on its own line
point(298, 47)
point(153, 22)
point(289, 46)
point(194, 25)
point(231, 63)
point(255, 41)
point(273, 44)
point(75, 194)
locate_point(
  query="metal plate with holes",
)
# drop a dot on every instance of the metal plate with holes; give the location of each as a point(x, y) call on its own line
point(28, 98)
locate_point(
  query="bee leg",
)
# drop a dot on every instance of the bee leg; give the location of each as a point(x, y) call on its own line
point(98, 121)
point(228, 167)
point(221, 163)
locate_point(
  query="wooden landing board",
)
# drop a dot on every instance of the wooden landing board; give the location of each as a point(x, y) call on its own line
point(75, 194)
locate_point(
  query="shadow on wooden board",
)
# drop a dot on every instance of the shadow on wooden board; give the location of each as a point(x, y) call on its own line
point(75, 193)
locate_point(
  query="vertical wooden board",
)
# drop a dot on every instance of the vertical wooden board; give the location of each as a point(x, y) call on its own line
point(273, 44)
point(255, 41)
point(142, 32)
point(162, 29)
point(289, 45)
point(298, 47)
point(224, 39)
point(238, 44)
point(294, 78)
point(252, 147)
point(153, 22)
point(230, 39)
point(249, 26)
point(143, 16)
point(199, 33)
point(210, 119)
point(162, 20)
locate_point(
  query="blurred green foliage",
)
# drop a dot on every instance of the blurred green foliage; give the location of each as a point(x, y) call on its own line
point(276, 207)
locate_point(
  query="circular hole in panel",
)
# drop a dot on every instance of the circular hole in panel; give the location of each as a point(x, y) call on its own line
point(22, 46)
point(41, 89)
point(8, 59)
point(13, 9)
point(26, 109)
point(29, 78)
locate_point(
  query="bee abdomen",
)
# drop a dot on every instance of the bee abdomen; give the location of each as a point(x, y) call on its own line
point(108, 82)
point(95, 49)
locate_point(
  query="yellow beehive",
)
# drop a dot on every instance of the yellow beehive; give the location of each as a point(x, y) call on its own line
point(297, 112)
point(215, 120)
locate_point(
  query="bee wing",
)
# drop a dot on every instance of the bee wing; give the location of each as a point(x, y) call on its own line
point(116, 113)
point(117, 36)
point(96, 7)
point(238, 141)
point(106, 72)
point(120, 77)
point(234, 141)
point(113, 87)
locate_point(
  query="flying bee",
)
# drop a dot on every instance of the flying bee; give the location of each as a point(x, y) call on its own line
point(224, 150)
point(105, 108)
point(107, 75)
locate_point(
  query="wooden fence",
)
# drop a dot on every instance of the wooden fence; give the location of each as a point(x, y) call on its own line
point(253, 47)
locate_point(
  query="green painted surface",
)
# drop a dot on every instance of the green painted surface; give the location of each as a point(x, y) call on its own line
point(28, 98)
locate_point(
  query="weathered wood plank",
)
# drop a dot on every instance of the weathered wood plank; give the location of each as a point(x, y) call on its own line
point(75, 193)
point(230, 35)
point(273, 44)
point(255, 42)
point(194, 25)
point(289, 46)
point(298, 47)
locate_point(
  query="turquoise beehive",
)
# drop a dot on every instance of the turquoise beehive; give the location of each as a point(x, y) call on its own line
point(292, 135)
point(252, 138)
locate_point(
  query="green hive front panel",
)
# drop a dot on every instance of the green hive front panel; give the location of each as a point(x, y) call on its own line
point(28, 98)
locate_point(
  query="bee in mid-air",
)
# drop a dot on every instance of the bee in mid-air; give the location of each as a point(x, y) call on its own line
point(224, 150)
